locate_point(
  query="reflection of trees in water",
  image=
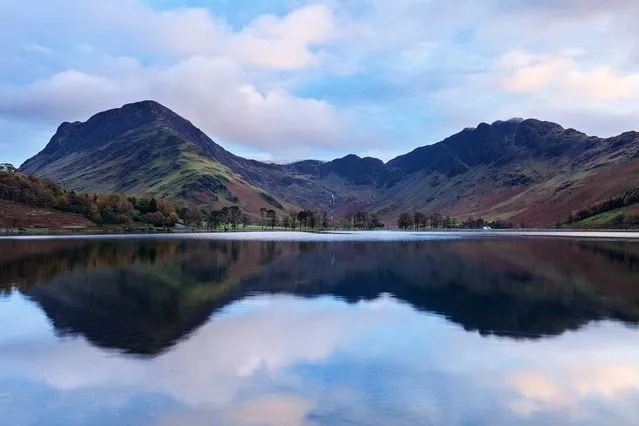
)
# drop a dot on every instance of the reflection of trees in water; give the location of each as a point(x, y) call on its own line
point(616, 251)
point(141, 296)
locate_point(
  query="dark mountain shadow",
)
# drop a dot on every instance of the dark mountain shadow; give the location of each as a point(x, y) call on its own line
point(143, 296)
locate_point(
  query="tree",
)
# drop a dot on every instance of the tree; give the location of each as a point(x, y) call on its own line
point(375, 222)
point(361, 220)
point(286, 222)
point(446, 224)
point(271, 215)
point(190, 214)
point(8, 168)
point(214, 219)
point(184, 215)
point(235, 215)
point(225, 217)
point(404, 221)
point(324, 221)
point(263, 212)
point(153, 206)
point(306, 219)
point(293, 220)
point(311, 220)
point(436, 220)
point(619, 220)
point(245, 221)
point(347, 223)
point(420, 220)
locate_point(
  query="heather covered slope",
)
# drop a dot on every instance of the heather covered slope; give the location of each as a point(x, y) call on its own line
point(17, 215)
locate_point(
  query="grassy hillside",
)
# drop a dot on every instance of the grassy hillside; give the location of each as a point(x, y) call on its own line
point(624, 217)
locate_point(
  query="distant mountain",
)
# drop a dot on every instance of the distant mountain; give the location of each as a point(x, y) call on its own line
point(527, 171)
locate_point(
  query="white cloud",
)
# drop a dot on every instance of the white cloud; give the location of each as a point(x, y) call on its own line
point(562, 75)
point(603, 83)
point(608, 381)
point(38, 48)
point(259, 344)
point(284, 43)
point(225, 81)
point(273, 410)
point(533, 78)
point(460, 63)
point(242, 366)
point(215, 93)
point(269, 41)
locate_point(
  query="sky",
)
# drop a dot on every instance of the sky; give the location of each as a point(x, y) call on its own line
point(285, 80)
point(287, 362)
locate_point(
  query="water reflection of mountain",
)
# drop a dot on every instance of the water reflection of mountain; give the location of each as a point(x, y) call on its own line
point(141, 296)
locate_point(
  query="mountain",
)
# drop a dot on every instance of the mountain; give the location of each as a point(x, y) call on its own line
point(145, 148)
point(524, 171)
point(527, 171)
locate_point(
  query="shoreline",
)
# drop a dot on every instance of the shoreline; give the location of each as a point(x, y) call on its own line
point(337, 235)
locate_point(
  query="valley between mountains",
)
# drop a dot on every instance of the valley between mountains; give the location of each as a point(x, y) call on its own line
point(523, 171)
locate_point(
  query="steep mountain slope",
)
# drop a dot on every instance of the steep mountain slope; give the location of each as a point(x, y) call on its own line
point(524, 171)
point(145, 148)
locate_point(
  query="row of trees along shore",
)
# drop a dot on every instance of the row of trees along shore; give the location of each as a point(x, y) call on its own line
point(419, 220)
point(232, 217)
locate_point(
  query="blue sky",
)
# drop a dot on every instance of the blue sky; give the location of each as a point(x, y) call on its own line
point(291, 79)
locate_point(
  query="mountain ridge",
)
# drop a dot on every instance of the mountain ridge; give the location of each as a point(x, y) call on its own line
point(504, 170)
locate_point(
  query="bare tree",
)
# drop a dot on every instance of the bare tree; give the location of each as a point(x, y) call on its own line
point(263, 212)
point(405, 221)
point(271, 215)
point(235, 215)
point(293, 220)
point(420, 220)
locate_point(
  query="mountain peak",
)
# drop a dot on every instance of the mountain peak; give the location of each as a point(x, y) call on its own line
point(135, 127)
point(147, 103)
point(148, 106)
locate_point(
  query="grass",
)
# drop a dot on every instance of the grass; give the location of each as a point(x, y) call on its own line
point(192, 165)
point(602, 219)
point(35, 230)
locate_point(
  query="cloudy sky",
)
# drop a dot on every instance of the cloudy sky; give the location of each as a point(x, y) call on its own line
point(287, 361)
point(281, 80)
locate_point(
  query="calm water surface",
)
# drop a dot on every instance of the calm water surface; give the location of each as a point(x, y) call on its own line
point(203, 331)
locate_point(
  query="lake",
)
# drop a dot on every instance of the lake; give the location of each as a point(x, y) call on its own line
point(292, 329)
